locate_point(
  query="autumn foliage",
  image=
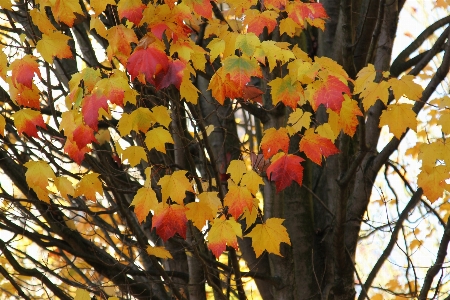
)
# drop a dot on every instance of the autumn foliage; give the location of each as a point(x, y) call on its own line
point(120, 145)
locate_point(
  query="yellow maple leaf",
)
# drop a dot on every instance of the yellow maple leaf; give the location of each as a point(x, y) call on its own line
point(134, 154)
point(374, 91)
point(65, 10)
point(405, 86)
point(399, 117)
point(141, 119)
point(433, 184)
point(89, 185)
point(64, 187)
point(37, 177)
point(298, 120)
point(211, 199)
point(247, 43)
point(54, 45)
point(364, 77)
point(223, 233)
point(100, 5)
point(162, 115)
point(237, 199)
point(6, 4)
point(252, 181)
point(144, 201)
point(159, 252)
point(199, 213)
point(236, 169)
point(41, 21)
point(269, 236)
point(216, 47)
point(157, 138)
point(99, 27)
point(175, 186)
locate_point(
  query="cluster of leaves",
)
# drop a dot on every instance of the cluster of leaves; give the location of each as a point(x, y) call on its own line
point(154, 47)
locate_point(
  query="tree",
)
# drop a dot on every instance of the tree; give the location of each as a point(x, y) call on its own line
point(149, 149)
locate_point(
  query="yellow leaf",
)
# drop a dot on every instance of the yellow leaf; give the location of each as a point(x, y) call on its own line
point(216, 46)
point(252, 181)
point(82, 295)
point(399, 117)
point(64, 187)
point(157, 138)
point(433, 184)
point(99, 27)
point(134, 154)
point(223, 233)
point(211, 199)
point(65, 10)
point(236, 169)
point(37, 177)
point(269, 236)
point(405, 86)
point(159, 252)
point(89, 185)
point(364, 77)
point(325, 130)
point(199, 213)
point(373, 92)
point(162, 115)
point(247, 43)
point(175, 186)
point(139, 120)
point(6, 4)
point(188, 90)
point(100, 5)
point(251, 215)
point(298, 120)
point(2, 125)
point(41, 21)
point(144, 201)
point(54, 45)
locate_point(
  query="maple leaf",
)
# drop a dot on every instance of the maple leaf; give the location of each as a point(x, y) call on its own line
point(211, 199)
point(199, 213)
point(256, 21)
point(91, 109)
point(252, 181)
point(131, 9)
point(287, 90)
point(41, 21)
point(54, 45)
point(223, 233)
point(237, 199)
point(25, 96)
point(157, 138)
point(65, 11)
point(83, 135)
point(285, 169)
point(141, 119)
point(433, 184)
point(365, 76)
point(222, 86)
point(175, 186)
point(99, 6)
point(373, 92)
point(241, 69)
point(159, 252)
point(407, 87)
point(120, 39)
point(88, 186)
point(37, 177)
point(348, 120)
point(329, 93)
point(316, 146)
point(26, 121)
point(201, 7)
point(247, 43)
point(298, 120)
point(23, 70)
point(134, 154)
point(64, 187)
point(75, 153)
point(170, 220)
point(236, 169)
point(269, 236)
point(216, 47)
point(144, 201)
point(173, 75)
point(313, 13)
point(149, 62)
point(188, 90)
point(274, 140)
point(399, 117)
point(277, 4)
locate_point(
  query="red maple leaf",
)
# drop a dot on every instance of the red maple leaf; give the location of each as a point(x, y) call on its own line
point(285, 170)
point(74, 152)
point(174, 75)
point(90, 109)
point(170, 220)
point(330, 94)
point(23, 71)
point(316, 146)
point(149, 62)
point(26, 121)
point(83, 135)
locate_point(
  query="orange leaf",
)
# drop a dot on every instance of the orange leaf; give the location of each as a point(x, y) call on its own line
point(64, 187)
point(144, 200)
point(26, 121)
point(284, 170)
point(348, 119)
point(201, 7)
point(223, 233)
point(399, 117)
point(269, 236)
point(287, 90)
point(237, 199)
point(199, 213)
point(241, 69)
point(256, 21)
point(170, 220)
point(74, 152)
point(65, 11)
point(54, 45)
point(274, 140)
point(313, 13)
point(316, 146)
point(120, 39)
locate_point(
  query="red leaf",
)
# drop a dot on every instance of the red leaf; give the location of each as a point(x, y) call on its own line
point(90, 110)
point(170, 220)
point(250, 92)
point(83, 135)
point(174, 75)
point(23, 71)
point(285, 170)
point(330, 93)
point(149, 62)
point(131, 9)
point(26, 121)
point(74, 152)
point(316, 146)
